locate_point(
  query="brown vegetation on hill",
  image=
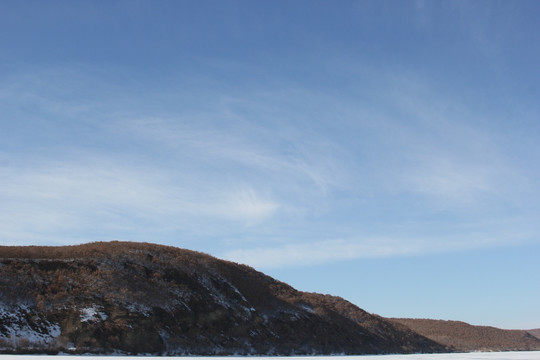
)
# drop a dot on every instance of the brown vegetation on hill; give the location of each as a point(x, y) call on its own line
point(465, 337)
point(534, 332)
point(142, 298)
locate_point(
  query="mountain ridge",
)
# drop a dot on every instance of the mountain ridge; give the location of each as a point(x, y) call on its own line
point(141, 298)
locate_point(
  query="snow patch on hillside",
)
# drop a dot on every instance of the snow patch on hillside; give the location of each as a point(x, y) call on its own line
point(92, 314)
point(307, 308)
point(142, 309)
point(240, 303)
point(19, 326)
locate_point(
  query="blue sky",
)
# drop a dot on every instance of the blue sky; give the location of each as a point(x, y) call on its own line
point(383, 151)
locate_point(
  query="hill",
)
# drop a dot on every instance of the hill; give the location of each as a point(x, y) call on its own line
point(534, 332)
point(464, 337)
point(138, 298)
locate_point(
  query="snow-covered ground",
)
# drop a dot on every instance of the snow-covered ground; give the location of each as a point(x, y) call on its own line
point(518, 355)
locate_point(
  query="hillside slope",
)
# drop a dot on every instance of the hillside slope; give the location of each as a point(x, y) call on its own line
point(461, 336)
point(138, 298)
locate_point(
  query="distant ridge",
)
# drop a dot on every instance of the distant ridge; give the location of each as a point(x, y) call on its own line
point(461, 336)
point(534, 332)
point(139, 298)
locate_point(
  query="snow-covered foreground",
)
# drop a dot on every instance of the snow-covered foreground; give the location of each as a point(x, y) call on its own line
point(517, 355)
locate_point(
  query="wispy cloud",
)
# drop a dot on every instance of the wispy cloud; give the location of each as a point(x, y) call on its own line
point(420, 147)
point(295, 254)
point(443, 150)
point(118, 164)
point(313, 253)
point(240, 142)
point(63, 197)
point(259, 164)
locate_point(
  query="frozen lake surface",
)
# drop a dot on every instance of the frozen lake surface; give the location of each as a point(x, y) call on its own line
point(517, 355)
